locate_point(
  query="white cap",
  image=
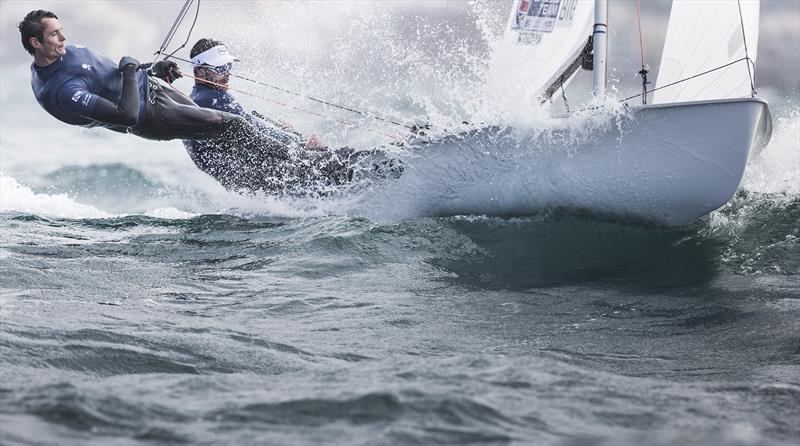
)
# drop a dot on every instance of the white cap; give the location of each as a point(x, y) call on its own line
point(216, 57)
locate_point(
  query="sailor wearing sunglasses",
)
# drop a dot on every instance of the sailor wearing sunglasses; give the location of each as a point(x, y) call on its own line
point(240, 169)
point(212, 71)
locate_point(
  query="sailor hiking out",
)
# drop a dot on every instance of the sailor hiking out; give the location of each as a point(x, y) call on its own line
point(240, 170)
point(84, 88)
point(81, 87)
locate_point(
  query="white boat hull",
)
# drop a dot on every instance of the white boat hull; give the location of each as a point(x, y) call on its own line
point(668, 164)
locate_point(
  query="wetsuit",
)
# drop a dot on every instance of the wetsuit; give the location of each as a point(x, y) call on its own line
point(84, 88)
point(207, 97)
point(252, 168)
point(87, 89)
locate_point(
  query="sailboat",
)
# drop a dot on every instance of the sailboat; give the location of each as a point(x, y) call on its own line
point(677, 158)
point(670, 161)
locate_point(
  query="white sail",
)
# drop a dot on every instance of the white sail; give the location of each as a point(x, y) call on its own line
point(542, 37)
point(704, 35)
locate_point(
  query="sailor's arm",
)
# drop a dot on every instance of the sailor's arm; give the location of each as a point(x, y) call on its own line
point(286, 134)
point(285, 126)
point(75, 98)
point(267, 126)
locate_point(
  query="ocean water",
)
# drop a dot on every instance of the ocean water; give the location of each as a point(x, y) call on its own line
point(132, 311)
point(141, 303)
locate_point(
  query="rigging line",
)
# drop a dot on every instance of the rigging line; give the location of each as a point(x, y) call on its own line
point(746, 54)
point(643, 72)
point(330, 104)
point(639, 22)
point(189, 35)
point(171, 33)
point(395, 137)
point(686, 79)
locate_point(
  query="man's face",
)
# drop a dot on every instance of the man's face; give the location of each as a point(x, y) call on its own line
point(213, 76)
point(52, 45)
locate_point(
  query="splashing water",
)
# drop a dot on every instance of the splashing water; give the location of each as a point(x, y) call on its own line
point(141, 303)
point(15, 197)
point(776, 170)
point(408, 66)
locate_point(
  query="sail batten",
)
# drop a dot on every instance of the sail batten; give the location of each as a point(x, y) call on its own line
point(702, 36)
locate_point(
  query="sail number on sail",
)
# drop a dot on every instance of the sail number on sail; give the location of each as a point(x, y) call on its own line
point(542, 16)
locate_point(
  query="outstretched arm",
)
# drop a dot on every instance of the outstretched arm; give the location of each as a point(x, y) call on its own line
point(287, 135)
point(272, 129)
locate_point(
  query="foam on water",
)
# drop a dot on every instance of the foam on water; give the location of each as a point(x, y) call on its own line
point(453, 165)
point(411, 67)
point(16, 197)
point(142, 303)
point(776, 169)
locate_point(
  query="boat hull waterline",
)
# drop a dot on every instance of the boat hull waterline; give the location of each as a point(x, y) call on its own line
point(668, 164)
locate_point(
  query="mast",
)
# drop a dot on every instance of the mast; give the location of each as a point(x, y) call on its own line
point(600, 49)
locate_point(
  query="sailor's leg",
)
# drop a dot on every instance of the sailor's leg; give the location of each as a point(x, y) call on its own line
point(177, 96)
point(167, 119)
point(243, 159)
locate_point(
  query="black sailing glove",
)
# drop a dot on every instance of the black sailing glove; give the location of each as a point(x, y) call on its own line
point(166, 70)
point(128, 61)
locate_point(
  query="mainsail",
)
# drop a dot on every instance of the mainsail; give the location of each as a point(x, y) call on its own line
point(543, 37)
point(702, 36)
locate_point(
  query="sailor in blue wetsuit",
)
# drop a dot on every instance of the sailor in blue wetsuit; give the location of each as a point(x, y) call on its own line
point(212, 67)
point(311, 168)
point(81, 87)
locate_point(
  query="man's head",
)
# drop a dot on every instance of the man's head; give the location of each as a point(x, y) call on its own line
point(42, 35)
point(212, 62)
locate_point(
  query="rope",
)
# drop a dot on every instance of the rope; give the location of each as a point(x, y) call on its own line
point(746, 54)
point(351, 124)
point(643, 72)
point(311, 98)
point(641, 39)
point(686, 79)
point(189, 34)
point(175, 25)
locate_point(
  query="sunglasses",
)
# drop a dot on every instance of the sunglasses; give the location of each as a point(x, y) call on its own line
point(222, 69)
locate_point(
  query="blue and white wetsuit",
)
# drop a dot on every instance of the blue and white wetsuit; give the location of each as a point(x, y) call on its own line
point(86, 88)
